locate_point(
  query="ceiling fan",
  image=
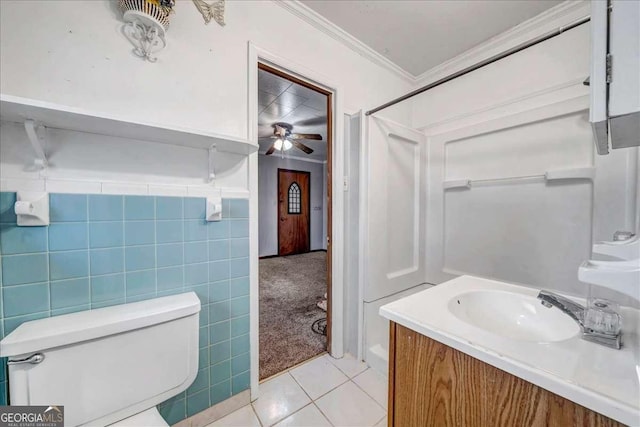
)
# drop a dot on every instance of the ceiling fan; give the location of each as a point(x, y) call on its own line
point(285, 139)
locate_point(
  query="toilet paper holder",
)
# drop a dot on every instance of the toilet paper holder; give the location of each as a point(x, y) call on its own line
point(32, 208)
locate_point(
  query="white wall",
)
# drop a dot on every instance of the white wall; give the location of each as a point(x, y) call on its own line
point(72, 53)
point(268, 201)
point(559, 62)
point(535, 96)
point(542, 75)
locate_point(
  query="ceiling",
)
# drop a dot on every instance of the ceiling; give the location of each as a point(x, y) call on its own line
point(418, 35)
point(280, 100)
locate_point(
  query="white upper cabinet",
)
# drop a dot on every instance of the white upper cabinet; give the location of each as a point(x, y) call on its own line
point(615, 74)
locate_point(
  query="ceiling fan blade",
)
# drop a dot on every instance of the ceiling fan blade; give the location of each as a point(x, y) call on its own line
point(265, 131)
point(302, 147)
point(271, 150)
point(314, 136)
point(313, 121)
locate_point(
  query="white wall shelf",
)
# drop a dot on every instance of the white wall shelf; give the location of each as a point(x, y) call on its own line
point(49, 115)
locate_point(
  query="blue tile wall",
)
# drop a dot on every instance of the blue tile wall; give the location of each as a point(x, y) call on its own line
point(102, 250)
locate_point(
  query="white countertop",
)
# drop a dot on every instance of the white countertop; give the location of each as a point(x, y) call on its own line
point(602, 379)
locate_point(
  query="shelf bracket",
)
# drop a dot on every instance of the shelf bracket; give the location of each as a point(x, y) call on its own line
point(37, 137)
point(212, 171)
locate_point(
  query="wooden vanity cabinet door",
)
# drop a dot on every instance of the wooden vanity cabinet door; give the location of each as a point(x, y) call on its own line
point(432, 384)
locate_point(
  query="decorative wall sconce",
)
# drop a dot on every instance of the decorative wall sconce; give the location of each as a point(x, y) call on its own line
point(146, 22)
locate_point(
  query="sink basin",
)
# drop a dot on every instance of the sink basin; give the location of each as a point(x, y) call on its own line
point(513, 315)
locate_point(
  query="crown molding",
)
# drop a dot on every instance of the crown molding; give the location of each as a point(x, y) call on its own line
point(332, 30)
point(558, 16)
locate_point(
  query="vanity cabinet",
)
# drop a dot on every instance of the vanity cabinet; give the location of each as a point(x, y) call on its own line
point(432, 384)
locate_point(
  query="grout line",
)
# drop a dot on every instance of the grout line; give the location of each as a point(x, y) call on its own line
point(331, 359)
point(303, 390)
point(338, 386)
point(124, 252)
point(88, 229)
point(48, 268)
point(324, 394)
point(386, 414)
point(317, 356)
point(208, 325)
point(255, 413)
point(365, 392)
point(323, 414)
point(314, 401)
point(293, 413)
point(299, 385)
point(155, 241)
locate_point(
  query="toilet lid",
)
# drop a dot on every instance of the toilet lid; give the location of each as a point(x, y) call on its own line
point(149, 418)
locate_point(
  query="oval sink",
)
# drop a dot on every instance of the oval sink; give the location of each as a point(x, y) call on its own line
point(512, 315)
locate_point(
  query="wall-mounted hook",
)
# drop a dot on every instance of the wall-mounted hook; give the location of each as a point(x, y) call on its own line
point(36, 134)
point(32, 208)
point(214, 209)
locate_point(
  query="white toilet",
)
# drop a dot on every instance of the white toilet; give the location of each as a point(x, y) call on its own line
point(109, 366)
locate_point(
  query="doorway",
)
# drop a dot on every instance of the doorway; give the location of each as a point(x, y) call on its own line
point(295, 129)
point(294, 204)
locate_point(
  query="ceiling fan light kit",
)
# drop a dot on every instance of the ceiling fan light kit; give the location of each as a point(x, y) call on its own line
point(282, 145)
point(285, 139)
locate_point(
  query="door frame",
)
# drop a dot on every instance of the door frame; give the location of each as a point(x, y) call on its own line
point(308, 208)
point(335, 213)
point(288, 75)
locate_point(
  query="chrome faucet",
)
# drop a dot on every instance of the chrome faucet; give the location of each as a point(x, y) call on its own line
point(577, 313)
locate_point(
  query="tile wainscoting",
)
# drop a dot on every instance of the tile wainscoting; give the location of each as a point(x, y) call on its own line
point(102, 250)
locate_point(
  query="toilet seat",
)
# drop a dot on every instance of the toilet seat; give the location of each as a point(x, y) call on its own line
point(149, 418)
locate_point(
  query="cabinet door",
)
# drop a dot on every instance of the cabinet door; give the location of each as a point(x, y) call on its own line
point(598, 76)
point(615, 67)
point(624, 89)
point(431, 384)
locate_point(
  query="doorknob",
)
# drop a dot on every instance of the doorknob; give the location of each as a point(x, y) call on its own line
point(281, 218)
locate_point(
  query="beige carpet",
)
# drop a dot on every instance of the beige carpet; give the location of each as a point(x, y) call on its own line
point(290, 287)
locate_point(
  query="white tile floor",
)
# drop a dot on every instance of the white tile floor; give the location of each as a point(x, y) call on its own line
point(321, 392)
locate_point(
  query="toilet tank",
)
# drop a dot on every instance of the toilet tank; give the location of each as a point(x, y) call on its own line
point(107, 364)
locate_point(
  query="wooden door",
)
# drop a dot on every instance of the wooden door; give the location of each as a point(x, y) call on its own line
point(293, 212)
